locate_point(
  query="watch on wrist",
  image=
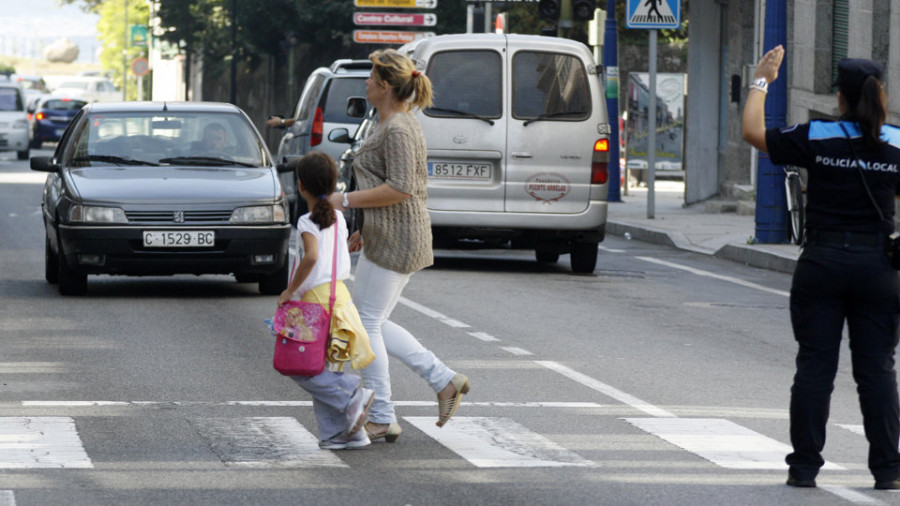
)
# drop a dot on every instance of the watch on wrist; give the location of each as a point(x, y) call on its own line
point(346, 203)
point(760, 84)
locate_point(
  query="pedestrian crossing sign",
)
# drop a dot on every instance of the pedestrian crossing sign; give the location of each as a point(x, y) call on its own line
point(653, 14)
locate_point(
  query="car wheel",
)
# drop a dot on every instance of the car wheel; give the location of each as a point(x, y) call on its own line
point(546, 257)
point(584, 257)
point(246, 278)
point(71, 282)
point(51, 263)
point(276, 283)
point(22, 155)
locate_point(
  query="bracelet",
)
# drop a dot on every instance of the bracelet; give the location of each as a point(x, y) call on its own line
point(759, 88)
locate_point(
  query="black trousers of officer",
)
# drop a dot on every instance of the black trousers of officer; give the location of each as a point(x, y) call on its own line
point(836, 281)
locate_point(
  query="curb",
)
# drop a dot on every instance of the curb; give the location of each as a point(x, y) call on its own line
point(748, 255)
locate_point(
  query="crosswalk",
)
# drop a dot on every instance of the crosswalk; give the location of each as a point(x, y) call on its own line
point(484, 442)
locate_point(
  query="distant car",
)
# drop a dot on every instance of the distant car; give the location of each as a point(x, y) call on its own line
point(50, 118)
point(33, 86)
point(13, 120)
point(90, 88)
point(321, 108)
point(141, 189)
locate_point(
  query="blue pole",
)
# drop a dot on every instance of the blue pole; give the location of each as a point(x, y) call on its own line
point(611, 66)
point(771, 204)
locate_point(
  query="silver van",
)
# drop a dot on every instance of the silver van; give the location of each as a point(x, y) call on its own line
point(518, 141)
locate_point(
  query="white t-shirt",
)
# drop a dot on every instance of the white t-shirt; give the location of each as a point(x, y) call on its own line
point(321, 272)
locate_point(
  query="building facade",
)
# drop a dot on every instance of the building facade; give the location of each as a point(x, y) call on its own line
point(727, 39)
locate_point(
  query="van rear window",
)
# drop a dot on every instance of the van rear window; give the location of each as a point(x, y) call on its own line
point(338, 92)
point(550, 86)
point(466, 82)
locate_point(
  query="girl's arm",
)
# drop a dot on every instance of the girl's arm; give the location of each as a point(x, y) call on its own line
point(310, 256)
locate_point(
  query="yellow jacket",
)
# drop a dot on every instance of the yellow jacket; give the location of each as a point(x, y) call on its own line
point(349, 340)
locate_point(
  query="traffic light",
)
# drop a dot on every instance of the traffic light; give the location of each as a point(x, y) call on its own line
point(550, 9)
point(583, 10)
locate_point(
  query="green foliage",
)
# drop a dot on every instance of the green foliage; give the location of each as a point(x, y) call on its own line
point(112, 31)
point(6, 69)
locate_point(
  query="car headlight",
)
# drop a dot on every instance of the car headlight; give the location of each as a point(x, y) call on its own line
point(259, 214)
point(96, 214)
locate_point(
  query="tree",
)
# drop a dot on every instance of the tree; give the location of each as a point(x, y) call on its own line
point(113, 32)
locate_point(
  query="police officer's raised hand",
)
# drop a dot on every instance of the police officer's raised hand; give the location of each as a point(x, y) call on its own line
point(768, 65)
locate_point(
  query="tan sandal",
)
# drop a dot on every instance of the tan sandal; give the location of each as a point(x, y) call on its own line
point(447, 408)
point(390, 434)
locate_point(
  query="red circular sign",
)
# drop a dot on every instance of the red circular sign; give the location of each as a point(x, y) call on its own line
point(140, 66)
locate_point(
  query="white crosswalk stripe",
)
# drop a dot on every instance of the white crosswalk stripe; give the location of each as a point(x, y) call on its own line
point(41, 442)
point(264, 442)
point(721, 442)
point(497, 442)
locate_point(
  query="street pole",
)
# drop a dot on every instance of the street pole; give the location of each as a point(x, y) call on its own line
point(651, 138)
point(771, 205)
point(611, 67)
point(234, 52)
point(125, 51)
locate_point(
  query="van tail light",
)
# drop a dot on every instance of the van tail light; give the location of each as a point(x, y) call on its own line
point(315, 137)
point(39, 116)
point(600, 162)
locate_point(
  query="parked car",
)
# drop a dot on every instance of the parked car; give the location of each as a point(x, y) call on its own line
point(144, 188)
point(518, 143)
point(51, 116)
point(90, 88)
point(321, 108)
point(13, 120)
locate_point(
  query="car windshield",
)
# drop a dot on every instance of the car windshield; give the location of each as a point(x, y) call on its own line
point(167, 138)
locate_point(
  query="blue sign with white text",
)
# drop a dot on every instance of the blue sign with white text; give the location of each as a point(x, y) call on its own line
point(653, 14)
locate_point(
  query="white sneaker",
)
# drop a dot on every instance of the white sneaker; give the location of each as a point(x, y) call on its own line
point(360, 402)
point(342, 442)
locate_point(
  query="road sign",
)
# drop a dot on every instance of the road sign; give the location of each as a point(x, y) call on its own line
point(400, 4)
point(140, 66)
point(394, 19)
point(653, 14)
point(388, 37)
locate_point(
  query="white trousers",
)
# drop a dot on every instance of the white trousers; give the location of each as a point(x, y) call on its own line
point(376, 291)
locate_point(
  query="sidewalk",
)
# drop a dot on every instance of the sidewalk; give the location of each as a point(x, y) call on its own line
point(724, 235)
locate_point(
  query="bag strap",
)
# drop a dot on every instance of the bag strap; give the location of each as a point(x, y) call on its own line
point(859, 164)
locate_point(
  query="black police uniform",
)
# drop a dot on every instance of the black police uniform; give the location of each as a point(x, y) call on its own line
point(843, 274)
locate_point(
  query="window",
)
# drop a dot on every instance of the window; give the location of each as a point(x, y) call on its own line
point(10, 100)
point(550, 84)
point(840, 30)
point(339, 91)
point(466, 82)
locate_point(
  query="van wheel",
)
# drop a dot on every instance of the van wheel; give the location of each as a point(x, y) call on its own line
point(546, 257)
point(22, 155)
point(51, 263)
point(584, 257)
point(276, 283)
point(71, 282)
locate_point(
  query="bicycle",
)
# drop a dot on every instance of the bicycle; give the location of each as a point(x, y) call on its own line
point(793, 187)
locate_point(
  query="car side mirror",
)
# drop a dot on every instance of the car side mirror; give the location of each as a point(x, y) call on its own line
point(44, 164)
point(341, 135)
point(356, 107)
point(285, 165)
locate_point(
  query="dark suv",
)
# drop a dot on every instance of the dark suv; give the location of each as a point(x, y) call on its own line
point(321, 108)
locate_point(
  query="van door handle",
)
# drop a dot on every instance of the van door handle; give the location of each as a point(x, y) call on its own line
point(520, 154)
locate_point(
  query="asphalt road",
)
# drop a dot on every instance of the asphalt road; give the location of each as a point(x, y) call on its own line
point(663, 378)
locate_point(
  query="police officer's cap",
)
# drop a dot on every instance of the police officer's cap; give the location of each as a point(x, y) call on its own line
point(853, 72)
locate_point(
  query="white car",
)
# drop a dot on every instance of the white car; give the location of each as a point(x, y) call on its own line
point(13, 120)
point(90, 88)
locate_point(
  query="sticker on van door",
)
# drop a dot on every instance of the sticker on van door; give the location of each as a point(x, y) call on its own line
point(547, 187)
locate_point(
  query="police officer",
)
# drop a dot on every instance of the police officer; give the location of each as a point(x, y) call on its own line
point(843, 273)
